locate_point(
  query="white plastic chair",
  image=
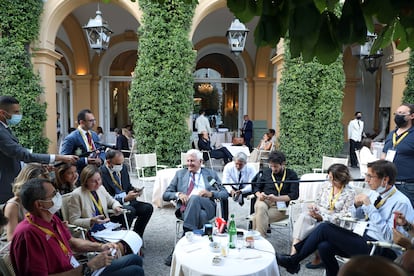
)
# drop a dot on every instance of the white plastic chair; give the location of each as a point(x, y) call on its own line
point(328, 161)
point(145, 161)
point(129, 159)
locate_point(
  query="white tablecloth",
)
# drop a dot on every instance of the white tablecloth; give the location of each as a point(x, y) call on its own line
point(236, 149)
point(195, 259)
point(162, 180)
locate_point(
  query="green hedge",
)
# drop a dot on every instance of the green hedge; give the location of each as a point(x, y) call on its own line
point(161, 98)
point(310, 112)
point(19, 25)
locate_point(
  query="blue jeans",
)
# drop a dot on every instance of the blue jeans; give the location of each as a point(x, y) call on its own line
point(126, 265)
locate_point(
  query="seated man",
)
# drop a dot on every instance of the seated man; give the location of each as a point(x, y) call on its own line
point(42, 244)
point(237, 173)
point(273, 193)
point(220, 153)
point(195, 193)
point(331, 240)
point(116, 181)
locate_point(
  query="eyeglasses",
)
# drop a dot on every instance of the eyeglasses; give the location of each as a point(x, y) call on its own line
point(91, 120)
point(401, 114)
point(368, 176)
point(52, 196)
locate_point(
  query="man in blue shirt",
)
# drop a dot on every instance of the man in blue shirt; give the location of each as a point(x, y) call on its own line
point(378, 208)
point(399, 149)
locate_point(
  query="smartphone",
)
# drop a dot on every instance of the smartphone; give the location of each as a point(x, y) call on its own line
point(138, 190)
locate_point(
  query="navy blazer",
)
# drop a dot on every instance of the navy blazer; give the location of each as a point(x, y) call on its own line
point(181, 180)
point(74, 144)
point(11, 153)
point(110, 186)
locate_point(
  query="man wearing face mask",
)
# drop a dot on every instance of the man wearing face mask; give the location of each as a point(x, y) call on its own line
point(355, 132)
point(377, 207)
point(116, 181)
point(399, 149)
point(12, 153)
point(42, 244)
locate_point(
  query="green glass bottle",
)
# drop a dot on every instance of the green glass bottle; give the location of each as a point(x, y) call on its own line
point(232, 232)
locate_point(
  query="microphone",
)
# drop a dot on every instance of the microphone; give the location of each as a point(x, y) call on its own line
point(213, 183)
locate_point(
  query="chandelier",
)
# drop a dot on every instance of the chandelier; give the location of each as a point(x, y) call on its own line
point(205, 88)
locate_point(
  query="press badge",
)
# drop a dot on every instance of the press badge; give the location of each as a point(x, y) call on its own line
point(281, 205)
point(390, 155)
point(74, 262)
point(360, 227)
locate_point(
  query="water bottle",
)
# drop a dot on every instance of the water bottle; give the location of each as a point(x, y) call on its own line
point(232, 233)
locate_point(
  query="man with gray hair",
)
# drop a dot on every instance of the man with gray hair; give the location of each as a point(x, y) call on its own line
point(237, 173)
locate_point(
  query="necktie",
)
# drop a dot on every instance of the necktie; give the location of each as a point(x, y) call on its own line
point(90, 143)
point(189, 189)
point(377, 201)
point(241, 186)
point(118, 181)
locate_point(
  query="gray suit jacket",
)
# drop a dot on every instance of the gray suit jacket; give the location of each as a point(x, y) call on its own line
point(181, 180)
point(11, 153)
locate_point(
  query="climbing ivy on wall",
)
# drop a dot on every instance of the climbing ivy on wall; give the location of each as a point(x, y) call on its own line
point(408, 96)
point(310, 111)
point(161, 98)
point(19, 26)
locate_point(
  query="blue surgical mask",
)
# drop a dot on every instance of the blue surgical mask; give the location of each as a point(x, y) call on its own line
point(381, 189)
point(15, 119)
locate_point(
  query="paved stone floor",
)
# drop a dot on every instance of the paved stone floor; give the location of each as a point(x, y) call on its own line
point(159, 238)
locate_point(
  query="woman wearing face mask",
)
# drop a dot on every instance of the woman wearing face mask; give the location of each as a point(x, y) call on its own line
point(66, 178)
point(399, 149)
point(13, 209)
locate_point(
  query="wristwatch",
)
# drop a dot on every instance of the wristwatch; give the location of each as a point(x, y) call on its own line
point(86, 270)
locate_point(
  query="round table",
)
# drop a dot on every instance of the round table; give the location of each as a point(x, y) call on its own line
point(195, 259)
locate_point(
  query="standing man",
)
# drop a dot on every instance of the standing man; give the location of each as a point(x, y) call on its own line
point(273, 193)
point(247, 131)
point(237, 173)
point(202, 123)
point(399, 149)
point(355, 132)
point(42, 244)
point(84, 140)
point(116, 181)
point(11, 152)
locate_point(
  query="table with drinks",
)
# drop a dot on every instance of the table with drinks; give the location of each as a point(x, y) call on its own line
point(197, 255)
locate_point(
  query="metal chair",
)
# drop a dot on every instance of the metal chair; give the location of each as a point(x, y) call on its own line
point(146, 161)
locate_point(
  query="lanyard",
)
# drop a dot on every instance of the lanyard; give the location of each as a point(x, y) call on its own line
point(50, 233)
point(379, 204)
point(277, 185)
point(85, 139)
point(98, 204)
point(116, 182)
point(334, 198)
point(396, 141)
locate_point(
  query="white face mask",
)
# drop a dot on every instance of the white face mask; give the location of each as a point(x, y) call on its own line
point(57, 204)
point(117, 168)
point(382, 187)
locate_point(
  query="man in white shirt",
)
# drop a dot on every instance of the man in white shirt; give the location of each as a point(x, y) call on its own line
point(355, 132)
point(202, 123)
point(237, 173)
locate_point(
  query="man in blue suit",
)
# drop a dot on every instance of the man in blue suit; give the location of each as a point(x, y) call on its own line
point(195, 189)
point(84, 140)
point(247, 131)
point(12, 153)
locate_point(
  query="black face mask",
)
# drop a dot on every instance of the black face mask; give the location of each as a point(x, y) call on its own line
point(400, 120)
point(359, 117)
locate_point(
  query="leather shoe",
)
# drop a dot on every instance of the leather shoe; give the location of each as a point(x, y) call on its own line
point(168, 260)
point(310, 265)
point(287, 262)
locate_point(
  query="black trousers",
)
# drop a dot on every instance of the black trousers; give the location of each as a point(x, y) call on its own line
point(353, 146)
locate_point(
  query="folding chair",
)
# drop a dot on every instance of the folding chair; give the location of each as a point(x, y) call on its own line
point(145, 161)
point(130, 153)
point(328, 161)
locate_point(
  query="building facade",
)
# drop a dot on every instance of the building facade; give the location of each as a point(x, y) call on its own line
point(226, 86)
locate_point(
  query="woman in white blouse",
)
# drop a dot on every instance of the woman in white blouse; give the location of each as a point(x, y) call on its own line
point(334, 200)
point(365, 155)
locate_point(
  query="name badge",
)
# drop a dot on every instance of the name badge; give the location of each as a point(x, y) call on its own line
point(74, 262)
point(360, 227)
point(390, 155)
point(281, 205)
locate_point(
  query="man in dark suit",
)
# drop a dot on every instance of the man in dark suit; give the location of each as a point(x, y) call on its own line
point(84, 140)
point(11, 152)
point(116, 181)
point(247, 131)
point(194, 190)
